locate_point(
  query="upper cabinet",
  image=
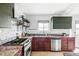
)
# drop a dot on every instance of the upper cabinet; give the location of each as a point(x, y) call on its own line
point(62, 22)
point(5, 15)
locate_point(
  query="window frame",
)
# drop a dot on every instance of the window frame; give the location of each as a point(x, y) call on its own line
point(43, 29)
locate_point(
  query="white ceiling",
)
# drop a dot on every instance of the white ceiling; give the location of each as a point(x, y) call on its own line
point(46, 8)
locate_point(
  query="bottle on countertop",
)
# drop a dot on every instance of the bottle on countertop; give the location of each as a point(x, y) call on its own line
point(22, 34)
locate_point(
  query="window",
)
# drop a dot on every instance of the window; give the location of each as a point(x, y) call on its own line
point(77, 28)
point(43, 26)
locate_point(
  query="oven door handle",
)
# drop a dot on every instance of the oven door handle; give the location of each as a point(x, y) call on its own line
point(27, 43)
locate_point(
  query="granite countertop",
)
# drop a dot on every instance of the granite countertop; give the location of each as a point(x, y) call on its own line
point(49, 36)
point(52, 37)
point(45, 36)
point(10, 50)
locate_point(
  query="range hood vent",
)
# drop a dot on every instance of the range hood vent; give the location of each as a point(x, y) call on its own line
point(24, 19)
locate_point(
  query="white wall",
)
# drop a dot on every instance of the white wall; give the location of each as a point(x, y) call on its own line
point(7, 31)
point(34, 20)
point(76, 18)
point(7, 34)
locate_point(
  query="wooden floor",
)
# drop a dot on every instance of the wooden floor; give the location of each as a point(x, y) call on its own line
point(47, 53)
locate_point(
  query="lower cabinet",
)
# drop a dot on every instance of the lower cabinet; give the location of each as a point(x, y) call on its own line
point(34, 43)
point(44, 43)
point(64, 44)
point(67, 43)
point(41, 44)
point(47, 44)
point(71, 44)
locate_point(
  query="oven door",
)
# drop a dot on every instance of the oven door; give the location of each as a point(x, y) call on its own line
point(27, 50)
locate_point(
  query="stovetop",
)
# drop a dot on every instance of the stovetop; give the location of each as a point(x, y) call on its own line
point(15, 42)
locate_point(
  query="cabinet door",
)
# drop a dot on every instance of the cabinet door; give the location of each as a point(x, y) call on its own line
point(71, 44)
point(64, 44)
point(33, 44)
point(47, 44)
point(41, 44)
point(38, 44)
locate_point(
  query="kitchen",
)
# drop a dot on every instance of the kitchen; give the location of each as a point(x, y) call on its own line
point(38, 29)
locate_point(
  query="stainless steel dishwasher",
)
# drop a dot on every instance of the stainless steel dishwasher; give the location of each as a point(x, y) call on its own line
point(56, 44)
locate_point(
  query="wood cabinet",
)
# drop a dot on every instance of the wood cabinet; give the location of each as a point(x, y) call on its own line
point(44, 43)
point(67, 43)
point(34, 43)
point(64, 43)
point(47, 43)
point(71, 43)
point(41, 44)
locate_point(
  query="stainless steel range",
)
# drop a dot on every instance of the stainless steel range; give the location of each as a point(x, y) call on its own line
point(27, 47)
point(26, 43)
